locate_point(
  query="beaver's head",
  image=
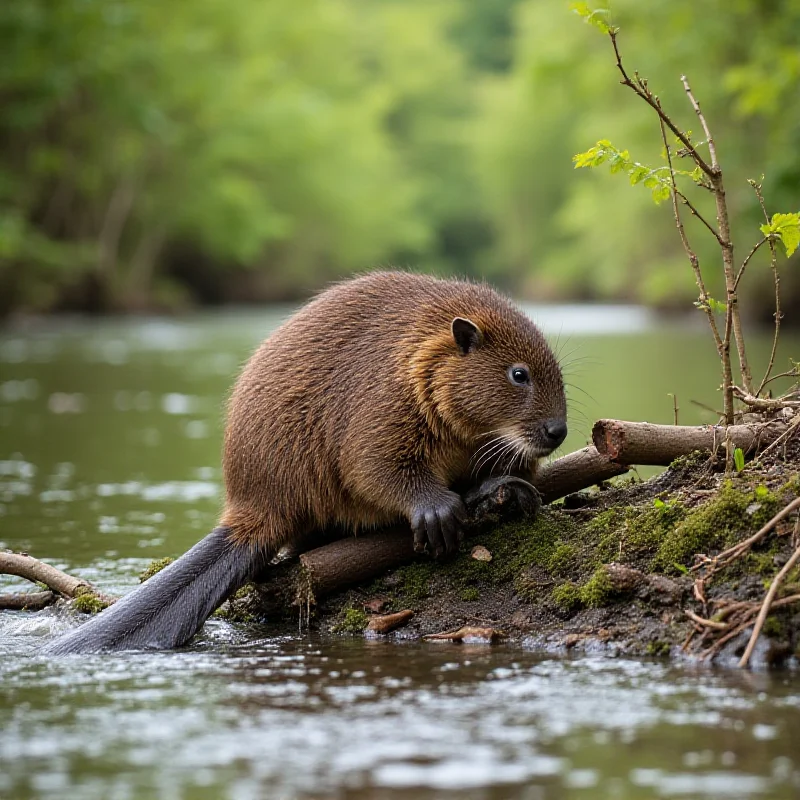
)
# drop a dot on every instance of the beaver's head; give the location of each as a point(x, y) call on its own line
point(501, 384)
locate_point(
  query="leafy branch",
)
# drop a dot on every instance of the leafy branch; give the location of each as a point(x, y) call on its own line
point(706, 174)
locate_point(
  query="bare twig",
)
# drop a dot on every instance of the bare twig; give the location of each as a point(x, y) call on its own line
point(752, 252)
point(764, 403)
point(777, 281)
point(706, 623)
point(695, 213)
point(794, 426)
point(791, 373)
point(675, 408)
point(690, 254)
point(724, 558)
point(26, 601)
point(726, 245)
point(762, 614)
point(25, 566)
point(638, 86)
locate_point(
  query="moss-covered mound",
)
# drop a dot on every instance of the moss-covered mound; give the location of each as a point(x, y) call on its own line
point(614, 570)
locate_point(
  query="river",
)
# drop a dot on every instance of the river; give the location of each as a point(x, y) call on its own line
point(109, 457)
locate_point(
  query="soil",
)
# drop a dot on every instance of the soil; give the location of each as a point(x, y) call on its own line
point(613, 571)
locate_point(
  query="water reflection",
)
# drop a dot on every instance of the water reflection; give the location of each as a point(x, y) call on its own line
point(109, 456)
point(315, 718)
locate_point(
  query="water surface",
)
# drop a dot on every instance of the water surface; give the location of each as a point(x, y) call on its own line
point(109, 457)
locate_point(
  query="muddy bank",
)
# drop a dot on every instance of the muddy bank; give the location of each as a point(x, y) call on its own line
point(613, 571)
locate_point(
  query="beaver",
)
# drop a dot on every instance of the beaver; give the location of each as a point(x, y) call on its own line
point(383, 399)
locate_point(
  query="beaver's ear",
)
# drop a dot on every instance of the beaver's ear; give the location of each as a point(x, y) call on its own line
point(467, 334)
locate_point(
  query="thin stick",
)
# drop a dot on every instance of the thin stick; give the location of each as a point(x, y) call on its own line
point(793, 427)
point(690, 254)
point(792, 373)
point(762, 614)
point(646, 95)
point(764, 403)
point(725, 243)
point(777, 281)
point(755, 249)
point(675, 408)
point(25, 566)
point(695, 213)
point(26, 601)
point(726, 556)
point(706, 623)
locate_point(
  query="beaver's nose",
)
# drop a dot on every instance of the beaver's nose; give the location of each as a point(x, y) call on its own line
point(555, 431)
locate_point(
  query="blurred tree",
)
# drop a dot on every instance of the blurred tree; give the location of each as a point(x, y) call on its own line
point(151, 151)
point(559, 234)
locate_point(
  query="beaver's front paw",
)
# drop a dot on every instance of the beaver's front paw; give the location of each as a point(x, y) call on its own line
point(502, 498)
point(439, 524)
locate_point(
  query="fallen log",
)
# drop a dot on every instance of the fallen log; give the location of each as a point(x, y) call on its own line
point(26, 601)
point(659, 445)
point(24, 566)
point(335, 566)
point(574, 472)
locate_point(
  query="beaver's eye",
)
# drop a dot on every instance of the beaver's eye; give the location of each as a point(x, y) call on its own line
point(519, 375)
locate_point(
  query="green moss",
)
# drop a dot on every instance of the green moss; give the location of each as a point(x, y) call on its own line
point(597, 591)
point(722, 520)
point(414, 581)
point(696, 458)
point(239, 607)
point(514, 546)
point(658, 648)
point(351, 620)
point(562, 559)
point(87, 602)
point(773, 628)
point(567, 596)
point(153, 567)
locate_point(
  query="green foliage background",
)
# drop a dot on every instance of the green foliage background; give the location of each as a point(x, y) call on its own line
point(161, 153)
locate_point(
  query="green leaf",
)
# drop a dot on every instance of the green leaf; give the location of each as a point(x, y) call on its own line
point(738, 459)
point(681, 568)
point(761, 492)
point(596, 17)
point(659, 503)
point(657, 180)
point(661, 193)
point(637, 174)
point(717, 306)
point(787, 228)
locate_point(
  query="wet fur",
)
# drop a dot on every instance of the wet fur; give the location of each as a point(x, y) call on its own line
point(364, 408)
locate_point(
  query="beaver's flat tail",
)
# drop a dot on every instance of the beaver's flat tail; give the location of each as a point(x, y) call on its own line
point(169, 608)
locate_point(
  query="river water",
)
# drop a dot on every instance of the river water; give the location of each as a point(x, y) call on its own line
point(109, 457)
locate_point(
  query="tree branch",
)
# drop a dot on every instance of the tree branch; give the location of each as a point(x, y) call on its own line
point(692, 256)
point(660, 445)
point(641, 89)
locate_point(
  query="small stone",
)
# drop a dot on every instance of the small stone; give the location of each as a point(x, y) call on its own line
point(752, 508)
point(480, 553)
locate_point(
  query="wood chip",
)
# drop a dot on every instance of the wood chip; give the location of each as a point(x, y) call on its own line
point(480, 553)
point(388, 622)
point(468, 634)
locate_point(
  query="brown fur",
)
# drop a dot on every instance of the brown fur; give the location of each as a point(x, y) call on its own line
point(362, 410)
